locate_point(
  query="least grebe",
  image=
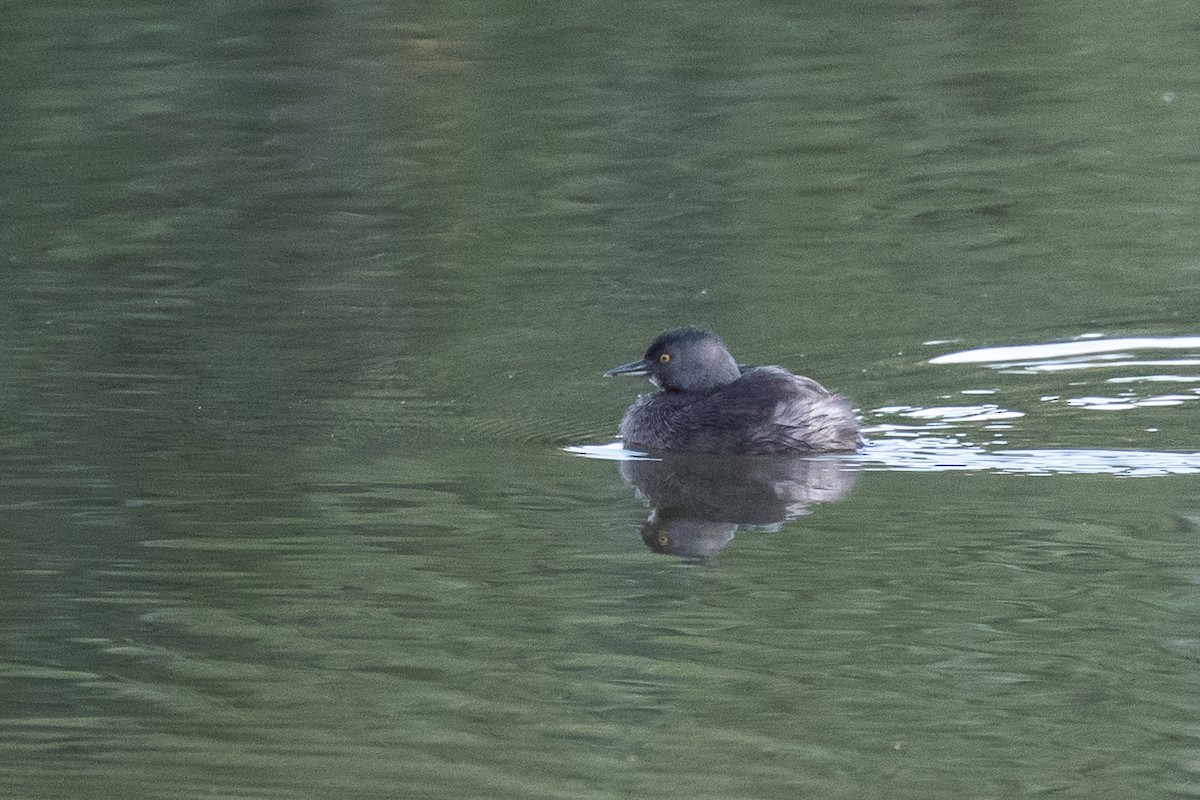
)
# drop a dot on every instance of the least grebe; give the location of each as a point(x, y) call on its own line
point(709, 404)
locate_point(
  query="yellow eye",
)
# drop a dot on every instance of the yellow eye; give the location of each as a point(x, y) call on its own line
point(664, 358)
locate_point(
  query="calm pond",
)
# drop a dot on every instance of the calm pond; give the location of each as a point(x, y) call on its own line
point(311, 486)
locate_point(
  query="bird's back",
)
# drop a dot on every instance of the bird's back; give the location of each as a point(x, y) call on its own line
point(767, 410)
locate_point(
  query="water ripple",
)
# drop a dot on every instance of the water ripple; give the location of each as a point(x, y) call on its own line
point(941, 454)
point(1055, 353)
point(931, 454)
point(980, 413)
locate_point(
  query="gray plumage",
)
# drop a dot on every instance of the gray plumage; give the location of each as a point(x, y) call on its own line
point(711, 405)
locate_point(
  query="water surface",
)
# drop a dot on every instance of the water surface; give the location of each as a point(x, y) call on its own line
point(304, 305)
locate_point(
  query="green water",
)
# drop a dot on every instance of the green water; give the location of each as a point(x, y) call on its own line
point(301, 304)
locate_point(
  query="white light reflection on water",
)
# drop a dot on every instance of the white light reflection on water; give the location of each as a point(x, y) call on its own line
point(613, 451)
point(980, 413)
point(1156, 379)
point(1120, 403)
point(1051, 352)
point(940, 454)
point(1091, 352)
point(930, 454)
point(1029, 368)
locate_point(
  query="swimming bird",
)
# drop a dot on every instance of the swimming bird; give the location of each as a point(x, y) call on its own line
point(710, 404)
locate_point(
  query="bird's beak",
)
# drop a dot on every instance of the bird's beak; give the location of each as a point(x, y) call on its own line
point(632, 368)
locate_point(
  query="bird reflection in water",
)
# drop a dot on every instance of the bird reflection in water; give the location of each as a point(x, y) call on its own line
point(698, 502)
